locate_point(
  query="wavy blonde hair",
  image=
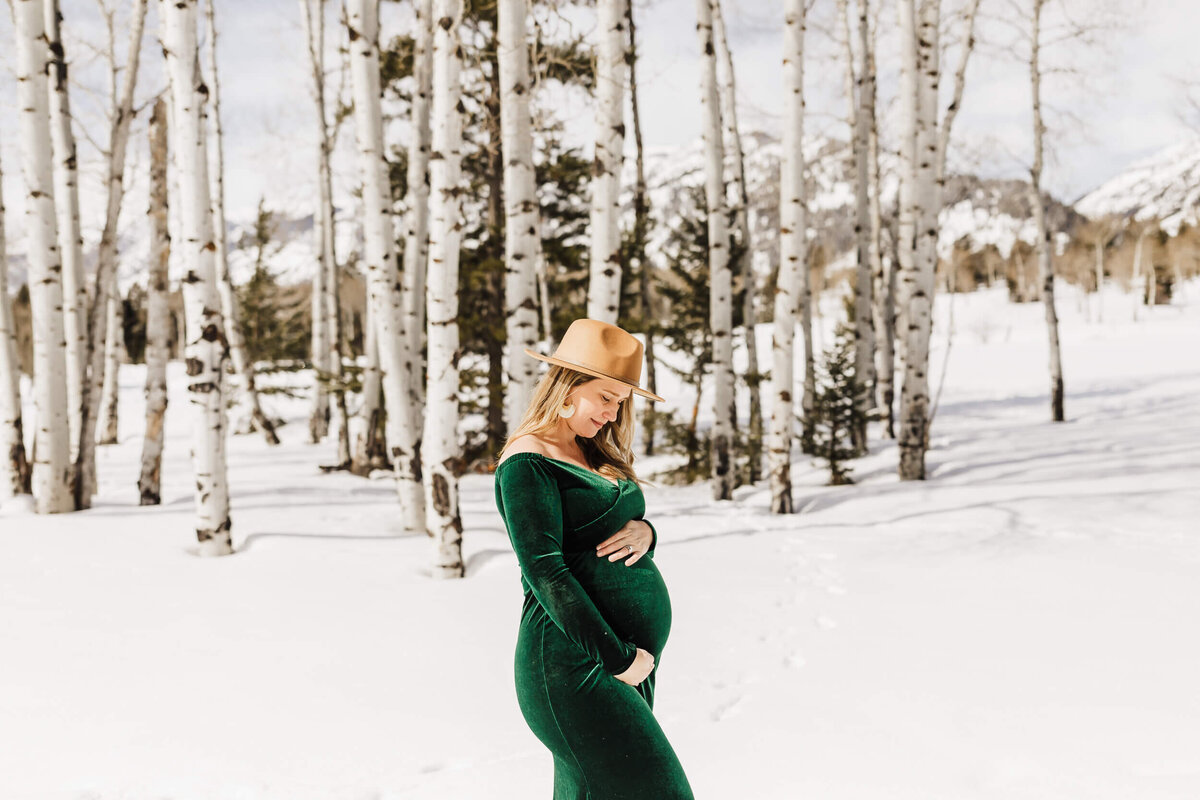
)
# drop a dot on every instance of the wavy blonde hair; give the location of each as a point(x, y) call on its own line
point(609, 452)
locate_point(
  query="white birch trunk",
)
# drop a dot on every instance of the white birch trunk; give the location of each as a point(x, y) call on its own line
point(416, 233)
point(906, 226)
point(106, 267)
point(864, 328)
point(917, 159)
point(741, 222)
point(520, 209)
point(51, 448)
point(441, 453)
point(366, 453)
point(403, 439)
point(333, 284)
point(333, 316)
point(242, 365)
point(157, 314)
point(13, 467)
point(720, 291)
point(808, 397)
point(640, 259)
point(314, 36)
point(604, 287)
point(792, 247)
point(918, 282)
point(883, 273)
point(1044, 256)
point(206, 348)
point(114, 347)
point(1139, 280)
point(70, 234)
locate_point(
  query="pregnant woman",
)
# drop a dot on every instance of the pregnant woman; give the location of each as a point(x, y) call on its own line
point(596, 613)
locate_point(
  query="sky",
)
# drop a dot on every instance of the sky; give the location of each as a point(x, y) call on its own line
point(1126, 109)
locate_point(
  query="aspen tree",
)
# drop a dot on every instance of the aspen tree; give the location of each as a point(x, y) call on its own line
point(741, 222)
point(205, 347)
point(520, 208)
point(1042, 246)
point(114, 352)
point(51, 449)
point(720, 283)
point(917, 191)
point(924, 145)
point(14, 470)
point(98, 309)
point(861, 106)
point(403, 438)
point(641, 225)
point(242, 365)
point(416, 218)
point(158, 315)
point(792, 259)
point(314, 35)
point(441, 453)
point(333, 273)
point(367, 446)
point(883, 269)
point(604, 287)
point(70, 233)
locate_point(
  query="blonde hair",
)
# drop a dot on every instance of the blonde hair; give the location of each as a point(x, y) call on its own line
point(609, 452)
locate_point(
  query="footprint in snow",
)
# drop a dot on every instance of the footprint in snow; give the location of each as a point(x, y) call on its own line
point(729, 709)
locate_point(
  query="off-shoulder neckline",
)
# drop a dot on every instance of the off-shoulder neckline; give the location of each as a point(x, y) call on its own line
point(565, 463)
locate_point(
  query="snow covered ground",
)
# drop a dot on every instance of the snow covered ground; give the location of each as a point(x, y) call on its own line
point(1021, 626)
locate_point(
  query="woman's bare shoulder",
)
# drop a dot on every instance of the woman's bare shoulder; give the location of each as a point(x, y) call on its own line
point(523, 444)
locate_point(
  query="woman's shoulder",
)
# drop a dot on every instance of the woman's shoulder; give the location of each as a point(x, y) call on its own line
point(527, 445)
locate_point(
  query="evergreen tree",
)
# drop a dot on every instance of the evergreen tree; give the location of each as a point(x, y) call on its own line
point(835, 412)
point(276, 320)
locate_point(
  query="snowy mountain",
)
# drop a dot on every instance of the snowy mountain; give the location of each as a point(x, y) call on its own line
point(982, 211)
point(1164, 186)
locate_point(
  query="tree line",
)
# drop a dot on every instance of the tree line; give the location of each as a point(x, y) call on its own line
point(485, 163)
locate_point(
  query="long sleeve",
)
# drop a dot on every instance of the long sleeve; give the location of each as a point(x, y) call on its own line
point(532, 508)
point(653, 537)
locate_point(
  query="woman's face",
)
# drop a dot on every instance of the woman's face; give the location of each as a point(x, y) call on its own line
point(596, 404)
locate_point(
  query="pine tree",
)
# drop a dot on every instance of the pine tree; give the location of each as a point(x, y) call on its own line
point(273, 328)
point(836, 414)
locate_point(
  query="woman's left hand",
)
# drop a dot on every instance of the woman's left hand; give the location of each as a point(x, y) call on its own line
point(634, 534)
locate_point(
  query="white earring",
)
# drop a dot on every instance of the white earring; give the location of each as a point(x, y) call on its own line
point(567, 410)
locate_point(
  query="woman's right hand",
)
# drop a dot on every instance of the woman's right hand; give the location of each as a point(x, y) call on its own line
point(639, 670)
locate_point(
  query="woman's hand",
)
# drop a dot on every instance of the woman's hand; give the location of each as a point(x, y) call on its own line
point(639, 670)
point(634, 534)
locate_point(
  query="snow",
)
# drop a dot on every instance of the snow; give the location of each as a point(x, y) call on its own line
point(1021, 625)
point(1164, 187)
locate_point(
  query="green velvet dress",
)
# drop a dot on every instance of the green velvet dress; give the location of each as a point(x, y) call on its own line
point(582, 621)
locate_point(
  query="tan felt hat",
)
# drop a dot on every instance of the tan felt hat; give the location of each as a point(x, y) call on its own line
point(600, 349)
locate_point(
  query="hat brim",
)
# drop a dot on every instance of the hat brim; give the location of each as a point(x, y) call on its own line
point(594, 373)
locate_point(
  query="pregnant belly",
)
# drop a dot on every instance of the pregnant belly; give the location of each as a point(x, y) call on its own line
point(633, 600)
